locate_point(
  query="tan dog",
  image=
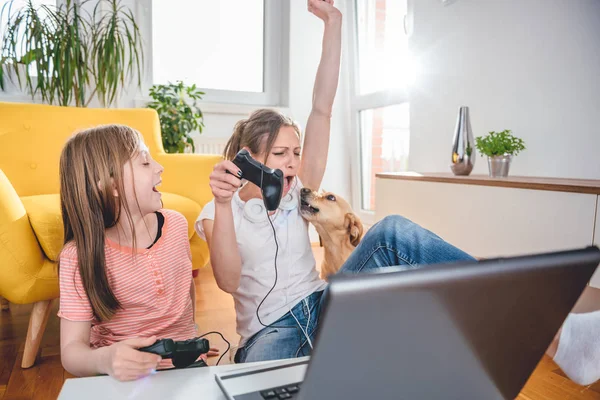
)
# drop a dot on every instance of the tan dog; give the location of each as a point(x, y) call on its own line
point(340, 229)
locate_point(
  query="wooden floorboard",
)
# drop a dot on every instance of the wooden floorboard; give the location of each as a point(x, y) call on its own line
point(22, 382)
point(8, 354)
point(214, 312)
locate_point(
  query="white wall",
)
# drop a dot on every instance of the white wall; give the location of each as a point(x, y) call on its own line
point(531, 66)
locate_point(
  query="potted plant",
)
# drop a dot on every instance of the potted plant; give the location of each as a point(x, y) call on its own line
point(499, 147)
point(76, 55)
point(178, 113)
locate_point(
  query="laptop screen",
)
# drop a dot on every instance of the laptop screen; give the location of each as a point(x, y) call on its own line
point(455, 331)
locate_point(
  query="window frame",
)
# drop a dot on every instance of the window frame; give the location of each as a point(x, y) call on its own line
point(275, 62)
point(359, 102)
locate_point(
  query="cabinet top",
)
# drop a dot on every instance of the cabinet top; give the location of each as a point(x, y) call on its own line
point(590, 186)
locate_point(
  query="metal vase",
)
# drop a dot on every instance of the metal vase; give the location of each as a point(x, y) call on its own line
point(499, 165)
point(463, 145)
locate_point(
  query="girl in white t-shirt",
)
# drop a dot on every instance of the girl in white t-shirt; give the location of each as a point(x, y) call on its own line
point(274, 282)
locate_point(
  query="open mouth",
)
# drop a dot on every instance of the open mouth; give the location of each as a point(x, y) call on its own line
point(287, 183)
point(306, 207)
point(155, 187)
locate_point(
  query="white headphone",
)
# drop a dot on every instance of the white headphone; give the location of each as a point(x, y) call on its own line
point(254, 209)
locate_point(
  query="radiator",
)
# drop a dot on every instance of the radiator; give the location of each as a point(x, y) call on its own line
point(210, 145)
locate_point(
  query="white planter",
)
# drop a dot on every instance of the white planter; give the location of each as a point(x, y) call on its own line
point(499, 165)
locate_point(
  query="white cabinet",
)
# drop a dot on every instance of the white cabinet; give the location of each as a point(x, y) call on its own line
point(487, 220)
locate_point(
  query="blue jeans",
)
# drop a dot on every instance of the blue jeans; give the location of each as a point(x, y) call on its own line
point(392, 241)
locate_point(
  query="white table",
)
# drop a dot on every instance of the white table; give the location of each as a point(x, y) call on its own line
point(191, 383)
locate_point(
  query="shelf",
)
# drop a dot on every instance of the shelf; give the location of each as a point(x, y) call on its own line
point(588, 186)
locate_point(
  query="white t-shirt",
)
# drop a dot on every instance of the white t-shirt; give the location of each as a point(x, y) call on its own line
point(296, 267)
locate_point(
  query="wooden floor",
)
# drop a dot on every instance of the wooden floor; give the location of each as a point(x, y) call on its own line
point(214, 311)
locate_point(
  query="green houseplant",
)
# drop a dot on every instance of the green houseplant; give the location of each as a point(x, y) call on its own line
point(179, 114)
point(75, 55)
point(499, 147)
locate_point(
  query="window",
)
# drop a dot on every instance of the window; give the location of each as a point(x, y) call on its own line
point(382, 45)
point(379, 104)
point(233, 56)
point(384, 137)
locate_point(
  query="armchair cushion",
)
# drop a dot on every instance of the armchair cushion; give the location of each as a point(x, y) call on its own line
point(189, 208)
point(46, 220)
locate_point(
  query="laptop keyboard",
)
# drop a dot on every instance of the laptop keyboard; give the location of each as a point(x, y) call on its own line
point(282, 392)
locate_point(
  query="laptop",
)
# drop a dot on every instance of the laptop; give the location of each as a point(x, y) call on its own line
point(469, 330)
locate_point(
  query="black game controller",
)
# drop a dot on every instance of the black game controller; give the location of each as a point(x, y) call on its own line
point(270, 181)
point(183, 353)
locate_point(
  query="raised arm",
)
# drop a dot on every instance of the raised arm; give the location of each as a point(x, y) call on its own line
point(316, 136)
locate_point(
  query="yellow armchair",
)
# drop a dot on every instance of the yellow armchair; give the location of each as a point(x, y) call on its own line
point(31, 234)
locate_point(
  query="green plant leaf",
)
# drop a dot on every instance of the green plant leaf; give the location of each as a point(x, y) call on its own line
point(178, 114)
point(499, 143)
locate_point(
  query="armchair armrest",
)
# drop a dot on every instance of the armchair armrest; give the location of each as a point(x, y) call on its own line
point(188, 174)
point(21, 258)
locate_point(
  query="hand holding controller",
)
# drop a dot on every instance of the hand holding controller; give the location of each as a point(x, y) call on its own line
point(183, 353)
point(270, 181)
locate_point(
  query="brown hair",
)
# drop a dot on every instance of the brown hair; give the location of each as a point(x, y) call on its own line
point(91, 168)
point(252, 132)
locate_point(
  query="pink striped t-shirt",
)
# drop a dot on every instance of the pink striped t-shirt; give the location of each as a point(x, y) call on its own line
point(152, 286)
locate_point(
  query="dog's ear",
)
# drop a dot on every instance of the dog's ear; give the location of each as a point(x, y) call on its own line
point(354, 227)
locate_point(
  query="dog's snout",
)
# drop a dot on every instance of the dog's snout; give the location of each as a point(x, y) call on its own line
point(305, 191)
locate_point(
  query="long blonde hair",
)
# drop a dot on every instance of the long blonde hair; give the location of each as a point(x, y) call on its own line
point(251, 132)
point(91, 169)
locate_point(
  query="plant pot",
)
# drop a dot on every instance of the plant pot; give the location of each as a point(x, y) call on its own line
point(499, 165)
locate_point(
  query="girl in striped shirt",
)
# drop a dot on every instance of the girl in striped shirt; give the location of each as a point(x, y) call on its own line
point(125, 268)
